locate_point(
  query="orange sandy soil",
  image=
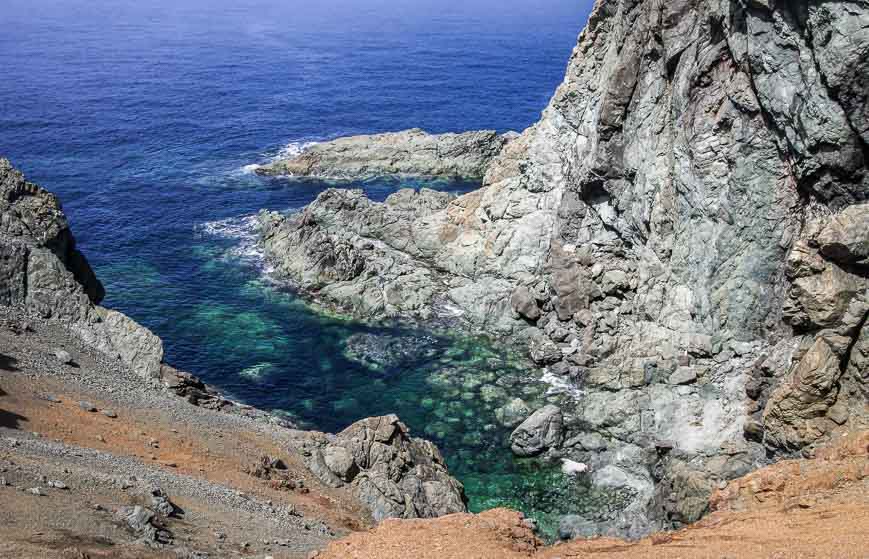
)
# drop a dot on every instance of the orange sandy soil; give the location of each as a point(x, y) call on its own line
point(212, 455)
point(795, 509)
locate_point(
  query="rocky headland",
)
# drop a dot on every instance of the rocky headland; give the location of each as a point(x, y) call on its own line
point(681, 237)
point(409, 152)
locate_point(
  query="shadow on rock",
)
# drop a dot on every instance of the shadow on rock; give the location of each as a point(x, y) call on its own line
point(10, 420)
point(7, 363)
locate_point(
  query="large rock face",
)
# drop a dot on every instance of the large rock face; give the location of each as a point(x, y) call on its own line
point(391, 473)
point(42, 272)
point(682, 235)
point(410, 152)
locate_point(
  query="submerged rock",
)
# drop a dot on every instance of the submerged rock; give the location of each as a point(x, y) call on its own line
point(409, 152)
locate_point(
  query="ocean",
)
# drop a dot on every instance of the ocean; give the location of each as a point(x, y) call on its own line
point(147, 119)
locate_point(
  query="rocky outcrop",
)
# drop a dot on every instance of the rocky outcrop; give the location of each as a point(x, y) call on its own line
point(409, 152)
point(681, 237)
point(43, 273)
point(391, 473)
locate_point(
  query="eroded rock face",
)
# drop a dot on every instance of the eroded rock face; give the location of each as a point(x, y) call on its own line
point(42, 271)
point(409, 152)
point(391, 473)
point(680, 228)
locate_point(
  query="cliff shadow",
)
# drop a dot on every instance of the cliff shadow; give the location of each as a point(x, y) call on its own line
point(7, 363)
point(10, 420)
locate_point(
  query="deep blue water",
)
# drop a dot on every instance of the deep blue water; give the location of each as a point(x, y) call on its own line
point(143, 115)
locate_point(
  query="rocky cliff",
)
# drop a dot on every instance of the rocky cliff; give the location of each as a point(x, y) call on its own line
point(682, 235)
point(42, 272)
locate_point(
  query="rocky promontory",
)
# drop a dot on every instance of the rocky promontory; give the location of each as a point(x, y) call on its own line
point(409, 152)
point(680, 238)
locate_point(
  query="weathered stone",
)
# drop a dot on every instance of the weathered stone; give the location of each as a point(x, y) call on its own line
point(63, 356)
point(542, 431)
point(796, 409)
point(524, 303)
point(392, 474)
point(340, 461)
point(410, 152)
point(845, 239)
point(683, 375)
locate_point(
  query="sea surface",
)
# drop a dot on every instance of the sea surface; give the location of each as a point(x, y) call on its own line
point(147, 119)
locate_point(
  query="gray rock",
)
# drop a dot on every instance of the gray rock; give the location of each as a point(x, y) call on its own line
point(683, 375)
point(87, 406)
point(110, 414)
point(340, 461)
point(63, 356)
point(524, 303)
point(56, 484)
point(410, 152)
point(845, 238)
point(542, 431)
point(392, 474)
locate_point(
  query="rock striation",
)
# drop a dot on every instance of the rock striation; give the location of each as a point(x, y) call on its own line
point(682, 236)
point(409, 152)
point(391, 473)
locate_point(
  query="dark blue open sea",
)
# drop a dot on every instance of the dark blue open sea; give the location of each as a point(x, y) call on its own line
point(145, 117)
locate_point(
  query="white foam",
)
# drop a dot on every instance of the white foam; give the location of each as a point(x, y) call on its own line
point(245, 231)
point(572, 468)
point(289, 151)
point(559, 385)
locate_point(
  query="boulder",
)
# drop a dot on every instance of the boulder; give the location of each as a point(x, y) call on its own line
point(845, 239)
point(540, 432)
point(524, 303)
point(391, 473)
point(795, 413)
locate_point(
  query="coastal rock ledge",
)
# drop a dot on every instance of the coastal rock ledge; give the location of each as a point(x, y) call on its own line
point(409, 152)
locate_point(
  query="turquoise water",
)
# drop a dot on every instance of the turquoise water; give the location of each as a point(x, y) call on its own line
point(143, 117)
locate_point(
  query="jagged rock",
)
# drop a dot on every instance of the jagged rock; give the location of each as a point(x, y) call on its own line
point(409, 152)
point(42, 271)
point(795, 413)
point(392, 474)
point(143, 523)
point(544, 351)
point(524, 303)
point(683, 375)
point(845, 239)
point(63, 356)
point(87, 406)
point(542, 431)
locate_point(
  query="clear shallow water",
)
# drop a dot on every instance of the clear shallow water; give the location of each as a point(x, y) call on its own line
point(144, 118)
